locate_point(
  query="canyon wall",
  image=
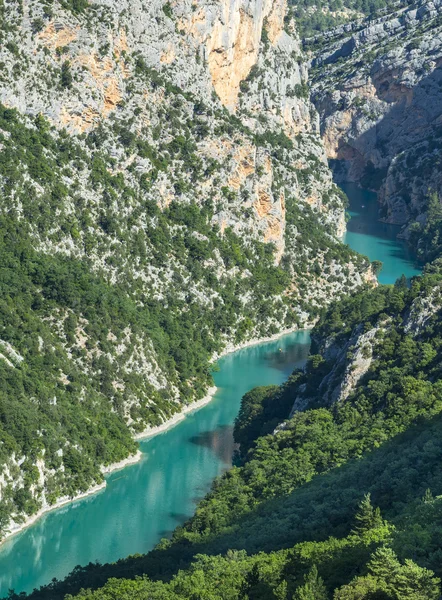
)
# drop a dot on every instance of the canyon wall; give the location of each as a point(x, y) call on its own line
point(377, 88)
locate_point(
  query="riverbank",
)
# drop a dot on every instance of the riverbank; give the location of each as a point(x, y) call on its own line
point(95, 489)
point(146, 502)
point(122, 464)
point(18, 527)
point(177, 417)
point(146, 434)
point(230, 347)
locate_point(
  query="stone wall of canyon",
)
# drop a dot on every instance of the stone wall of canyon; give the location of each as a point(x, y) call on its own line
point(377, 88)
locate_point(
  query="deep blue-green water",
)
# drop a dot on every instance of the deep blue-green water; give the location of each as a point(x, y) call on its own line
point(374, 239)
point(146, 501)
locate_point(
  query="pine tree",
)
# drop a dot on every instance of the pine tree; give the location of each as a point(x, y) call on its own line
point(367, 517)
point(313, 588)
point(384, 564)
point(428, 497)
point(66, 75)
point(254, 588)
point(404, 582)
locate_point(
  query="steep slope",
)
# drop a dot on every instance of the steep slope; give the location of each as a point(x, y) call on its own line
point(164, 191)
point(313, 18)
point(377, 89)
point(299, 500)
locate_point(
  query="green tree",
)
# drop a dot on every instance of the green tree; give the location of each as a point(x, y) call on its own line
point(403, 582)
point(377, 265)
point(66, 75)
point(434, 212)
point(5, 512)
point(313, 587)
point(367, 517)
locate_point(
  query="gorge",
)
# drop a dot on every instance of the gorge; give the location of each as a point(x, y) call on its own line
point(150, 219)
point(174, 179)
point(145, 502)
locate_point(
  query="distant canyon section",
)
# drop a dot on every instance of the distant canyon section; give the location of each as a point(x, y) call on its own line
point(377, 87)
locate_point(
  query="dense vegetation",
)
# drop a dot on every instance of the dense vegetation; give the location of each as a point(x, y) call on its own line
point(316, 16)
point(64, 321)
point(427, 238)
point(131, 252)
point(114, 298)
point(343, 500)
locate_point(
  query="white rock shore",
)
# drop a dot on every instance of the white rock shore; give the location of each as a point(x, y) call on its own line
point(147, 433)
point(230, 347)
point(17, 527)
point(151, 431)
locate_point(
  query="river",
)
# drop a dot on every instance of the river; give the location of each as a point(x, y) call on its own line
point(146, 501)
point(378, 241)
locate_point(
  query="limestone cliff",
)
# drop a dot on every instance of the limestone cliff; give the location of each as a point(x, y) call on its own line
point(349, 358)
point(231, 54)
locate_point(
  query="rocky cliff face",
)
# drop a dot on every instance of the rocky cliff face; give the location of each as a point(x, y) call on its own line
point(164, 191)
point(377, 88)
point(110, 67)
point(353, 359)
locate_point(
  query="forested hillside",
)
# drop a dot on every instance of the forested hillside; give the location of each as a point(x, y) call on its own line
point(164, 194)
point(315, 17)
point(343, 500)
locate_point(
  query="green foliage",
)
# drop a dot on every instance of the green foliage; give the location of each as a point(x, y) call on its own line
point(167, 10)
point(66, 75)
point(313, 588)
point(376, 266)
point(427, 238)
point(37, 25)
point(58, 300)
point(302, 90)
point(314, 17)
point(250, 420)
point(306, 503)
point(309, 233)
point(367, 517)
point(76, 6)
point(389, 579)
point(262, 409)
point(307, 571)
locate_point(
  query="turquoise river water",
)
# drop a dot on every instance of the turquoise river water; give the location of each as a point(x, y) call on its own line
point(146, 501)
point(378, 241)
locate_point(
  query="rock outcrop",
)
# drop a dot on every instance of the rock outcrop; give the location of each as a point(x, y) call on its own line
point(348, 358)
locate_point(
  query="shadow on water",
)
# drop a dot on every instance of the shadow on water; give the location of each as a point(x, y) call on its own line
point(220, 442)
point(179, 517)
point(294, 355)
point(323, 507)
point(375, 239)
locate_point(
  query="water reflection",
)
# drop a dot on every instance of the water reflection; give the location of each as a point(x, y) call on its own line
point(295, 355)
point(146, 501)
point(220, 442)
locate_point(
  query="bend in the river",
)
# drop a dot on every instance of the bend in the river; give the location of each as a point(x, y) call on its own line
point(146, 501)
